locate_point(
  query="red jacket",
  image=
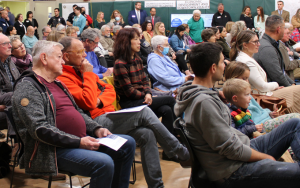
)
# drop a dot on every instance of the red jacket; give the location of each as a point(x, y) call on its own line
point(85, 91)
point(89, 19)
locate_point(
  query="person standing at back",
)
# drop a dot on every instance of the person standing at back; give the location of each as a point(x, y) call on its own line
point(282, 13)
point(56, 19)
point(221, 17)
point(137, 15)
point(71, 16)
point(153, 18)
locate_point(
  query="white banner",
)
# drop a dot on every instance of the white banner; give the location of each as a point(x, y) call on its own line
point(149, 4)
point(290, 5)
point(67, 8)
point(199, 4)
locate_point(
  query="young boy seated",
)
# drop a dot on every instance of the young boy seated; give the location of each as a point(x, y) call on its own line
point(237, 93)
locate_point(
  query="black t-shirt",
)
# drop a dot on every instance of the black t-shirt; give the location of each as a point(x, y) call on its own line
point(56, 20)
point(71, 17)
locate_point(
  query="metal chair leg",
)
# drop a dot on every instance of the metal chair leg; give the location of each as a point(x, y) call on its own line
point(133, 173)
point(70, 177)
point(50, 181)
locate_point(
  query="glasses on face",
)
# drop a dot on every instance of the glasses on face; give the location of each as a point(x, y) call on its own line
point(19, 47)
point(80, 52)
point(95, 43)
point(6, 44)
point(255, 42)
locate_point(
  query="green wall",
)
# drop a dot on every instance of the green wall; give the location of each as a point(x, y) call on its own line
point(234, 7)
point(16, 7)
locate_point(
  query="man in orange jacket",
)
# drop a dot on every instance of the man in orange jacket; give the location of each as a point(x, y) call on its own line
point(96, 97)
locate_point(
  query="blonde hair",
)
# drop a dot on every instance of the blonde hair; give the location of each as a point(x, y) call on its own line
point(156, 31)
point(112, 17)
point(55, 36)
point(250, 15)
point(69, 30)
point(98, 17)
point(233, 87)
point(228, 26)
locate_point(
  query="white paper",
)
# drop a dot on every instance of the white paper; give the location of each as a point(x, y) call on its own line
point(196, 4)
point(149, 4)
point(127, 110)
point(112, 141)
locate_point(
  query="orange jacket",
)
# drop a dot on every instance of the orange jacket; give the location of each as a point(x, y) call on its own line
point(85, 91)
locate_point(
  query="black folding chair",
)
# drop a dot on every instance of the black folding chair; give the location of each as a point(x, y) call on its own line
point(198, 176)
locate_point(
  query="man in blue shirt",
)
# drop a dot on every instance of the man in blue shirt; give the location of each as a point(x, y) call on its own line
point(90, 39)
point(79, 20)
point(4, 21)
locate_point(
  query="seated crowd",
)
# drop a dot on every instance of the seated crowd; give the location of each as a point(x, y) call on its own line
point(63, 88)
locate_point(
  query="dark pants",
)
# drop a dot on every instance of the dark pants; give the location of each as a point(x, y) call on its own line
point(269, 173)
point(162, 106)
point(181, 62)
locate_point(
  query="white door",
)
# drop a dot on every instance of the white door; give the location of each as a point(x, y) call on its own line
point(43, 12)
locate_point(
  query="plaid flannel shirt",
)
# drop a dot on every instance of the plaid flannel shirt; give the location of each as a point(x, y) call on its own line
point(130, 79)
point(295, 36)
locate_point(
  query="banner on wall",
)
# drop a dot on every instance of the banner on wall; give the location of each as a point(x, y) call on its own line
point(67, 8)
point(199, 4)
point(149, 4)
point(291, 6)
point(179, 19)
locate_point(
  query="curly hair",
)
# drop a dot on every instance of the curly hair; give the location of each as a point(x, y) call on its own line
point(112, 17)
point(122, 46)
point(145, 24)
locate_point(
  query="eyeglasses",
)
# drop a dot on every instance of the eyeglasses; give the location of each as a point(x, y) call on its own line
point(6, 44)
point(80, 52)
point(19, 47)
point(255, 42)
point(95, 43)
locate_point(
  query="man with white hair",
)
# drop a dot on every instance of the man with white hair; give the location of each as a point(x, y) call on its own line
point(90, 39)
point(221, 17)
point(105, 39)
point(46, 30)
point(54, 129)
point(196, 24)
point(8, 75)
point(289, 55)
point(29, 39)
point(4, 21)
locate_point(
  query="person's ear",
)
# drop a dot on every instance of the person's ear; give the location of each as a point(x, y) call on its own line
point(66, 57)
point(43, 58)
point(234, 98)
point(213, 68)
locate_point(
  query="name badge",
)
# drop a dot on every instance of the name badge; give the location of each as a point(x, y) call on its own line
point(4, 24)
point(133, 16)
point(59, 19)
point(219, 17)
point(27, 20)
point(21, 25)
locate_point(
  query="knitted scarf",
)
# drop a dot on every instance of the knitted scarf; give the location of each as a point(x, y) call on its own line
point(240, 116)
point(22, 63)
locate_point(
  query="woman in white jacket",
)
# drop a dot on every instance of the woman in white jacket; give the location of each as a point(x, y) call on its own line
point(242, 50)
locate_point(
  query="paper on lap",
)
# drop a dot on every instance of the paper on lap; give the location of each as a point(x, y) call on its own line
point(112, 141)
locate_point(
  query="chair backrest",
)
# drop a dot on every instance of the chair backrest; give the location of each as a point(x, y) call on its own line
point(12, 122)
point(198, 175)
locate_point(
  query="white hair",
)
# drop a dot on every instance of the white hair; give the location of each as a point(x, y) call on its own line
point(197, 12)
point(43, 46)
point(60, 27)
point(158, 40)
point(103, 28)
point(287, 25)
point(117, 28)
point(110, 24)
point(127, 26)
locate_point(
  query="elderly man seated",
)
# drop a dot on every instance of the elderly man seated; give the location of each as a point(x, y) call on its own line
point(29, 39)
point(20, 57)
point(46, 30)
point(106, 40)
point(166, 73)
point(54, 129)
point(96, 97)
point(116, 30)
point(90, 39)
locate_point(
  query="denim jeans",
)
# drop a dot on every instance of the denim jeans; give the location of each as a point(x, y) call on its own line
point(106, 167)
point(146, 129)
point(269, 173)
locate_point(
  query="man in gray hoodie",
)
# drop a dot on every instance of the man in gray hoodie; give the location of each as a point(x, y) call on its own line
point(227, 156)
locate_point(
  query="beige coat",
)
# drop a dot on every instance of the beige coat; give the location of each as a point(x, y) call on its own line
point(285, 15)
point(107, 43)
point(295, 22)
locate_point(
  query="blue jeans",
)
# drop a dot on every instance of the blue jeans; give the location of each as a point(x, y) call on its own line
point(269, 173)
point(106, 167)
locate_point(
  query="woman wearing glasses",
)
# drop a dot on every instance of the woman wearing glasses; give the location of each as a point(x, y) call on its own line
point(19, 56)
point(242, 50)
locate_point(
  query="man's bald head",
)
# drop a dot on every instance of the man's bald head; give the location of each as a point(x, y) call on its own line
point(73, 52)
point(30, 31)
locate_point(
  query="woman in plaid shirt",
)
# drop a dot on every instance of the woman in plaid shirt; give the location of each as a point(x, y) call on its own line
point(130, 80)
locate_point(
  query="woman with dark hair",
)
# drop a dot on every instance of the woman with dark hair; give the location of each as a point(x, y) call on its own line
point(30, 21)
point(242, 50)
point(10, 31)
point(147, 28)
point(177, 41)
point(186, 36)
point(208, 35)
point(222, 41)
point(216, 31)
point(247, 17)
point(130, 80)
point(260, 19)
point(20, 27)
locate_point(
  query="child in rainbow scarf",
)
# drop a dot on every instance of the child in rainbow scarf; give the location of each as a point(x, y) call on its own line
point(237, 92)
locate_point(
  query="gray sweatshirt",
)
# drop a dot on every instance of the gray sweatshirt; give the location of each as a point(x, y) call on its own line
point(220, 148)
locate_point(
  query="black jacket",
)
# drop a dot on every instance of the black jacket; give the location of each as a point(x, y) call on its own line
point(56, 20)
point(220, 20)
point(20, 29)
point(144, 51)
point(248, 20)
